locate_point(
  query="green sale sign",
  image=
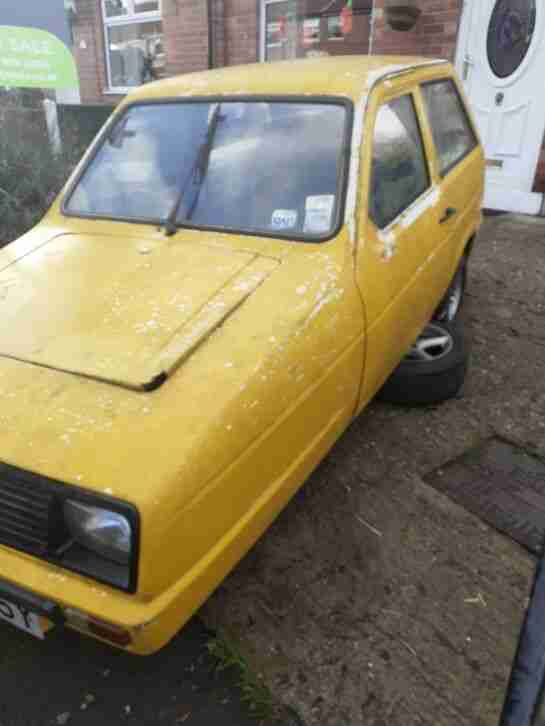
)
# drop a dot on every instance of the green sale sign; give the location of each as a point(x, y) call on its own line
point(31, 58)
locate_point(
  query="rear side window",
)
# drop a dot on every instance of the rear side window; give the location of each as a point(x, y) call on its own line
point(399, 173)
point(452, 133)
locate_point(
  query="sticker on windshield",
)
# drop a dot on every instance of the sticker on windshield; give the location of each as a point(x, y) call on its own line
point(284, 219)
point(318, 213)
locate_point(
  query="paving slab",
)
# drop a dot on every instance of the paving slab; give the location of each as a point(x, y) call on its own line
point(504, 485)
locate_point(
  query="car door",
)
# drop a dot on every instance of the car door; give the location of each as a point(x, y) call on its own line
point(397, 230)
point(458, 162)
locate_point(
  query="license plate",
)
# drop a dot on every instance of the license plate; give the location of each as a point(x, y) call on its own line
point(22, 619)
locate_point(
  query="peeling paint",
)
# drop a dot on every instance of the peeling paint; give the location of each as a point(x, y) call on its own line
point(375, 76)
point(421, 205)
point(389, 243)
point(354, 170)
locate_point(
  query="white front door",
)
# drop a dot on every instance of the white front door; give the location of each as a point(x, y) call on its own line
point(501, 60)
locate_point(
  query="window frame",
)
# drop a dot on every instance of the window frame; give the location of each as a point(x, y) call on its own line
point(131, 18)
point(411, 95)
point(263, 5)
point(342, 182)
point(442, 174)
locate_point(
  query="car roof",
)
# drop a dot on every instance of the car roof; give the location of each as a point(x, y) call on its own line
point(348, 76)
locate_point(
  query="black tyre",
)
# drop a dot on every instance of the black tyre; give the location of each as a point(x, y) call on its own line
point(433, 370)
point(450, 306)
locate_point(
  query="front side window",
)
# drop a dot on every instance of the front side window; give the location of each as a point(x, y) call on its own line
point(133, 33)
point(399, 173)
point(260, 167)
point(452, 133)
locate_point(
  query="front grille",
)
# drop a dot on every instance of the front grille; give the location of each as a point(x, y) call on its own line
point(25, 512)
point(32, 521)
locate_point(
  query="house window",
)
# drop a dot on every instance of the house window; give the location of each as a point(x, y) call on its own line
point(306, 28)
point(133, 33)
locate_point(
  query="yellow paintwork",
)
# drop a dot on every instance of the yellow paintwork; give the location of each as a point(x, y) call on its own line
point(271, 348)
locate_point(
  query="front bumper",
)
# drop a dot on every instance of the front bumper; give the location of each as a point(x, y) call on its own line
point(33, 603)
point(141, 626)
point(150, 621)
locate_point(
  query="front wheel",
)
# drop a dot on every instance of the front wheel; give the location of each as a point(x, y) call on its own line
point(432, 371)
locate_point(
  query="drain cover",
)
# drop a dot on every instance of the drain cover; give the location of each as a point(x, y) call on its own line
point(502, 484)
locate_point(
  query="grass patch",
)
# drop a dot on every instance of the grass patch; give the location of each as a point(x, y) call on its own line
point(254, 693)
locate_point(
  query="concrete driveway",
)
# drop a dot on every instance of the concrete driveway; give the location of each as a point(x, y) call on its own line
point(375, 599)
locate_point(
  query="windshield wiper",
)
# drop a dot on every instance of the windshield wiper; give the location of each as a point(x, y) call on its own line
point(196, 174)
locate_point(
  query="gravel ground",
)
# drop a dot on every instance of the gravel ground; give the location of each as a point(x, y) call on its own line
point(374, 599)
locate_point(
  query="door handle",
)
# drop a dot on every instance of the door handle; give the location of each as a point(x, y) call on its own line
point(449, 212)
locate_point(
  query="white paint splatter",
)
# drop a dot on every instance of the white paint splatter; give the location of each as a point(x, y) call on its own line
point(389, 243)
point(354, 170)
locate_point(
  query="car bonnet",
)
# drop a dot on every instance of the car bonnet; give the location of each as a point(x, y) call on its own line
point(121, 310)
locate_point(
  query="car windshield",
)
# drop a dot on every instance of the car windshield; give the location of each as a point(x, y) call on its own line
point(252, 166)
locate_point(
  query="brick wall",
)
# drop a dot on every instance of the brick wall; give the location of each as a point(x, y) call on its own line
point(235, 36)
point(241, 31)
point(185, 27)
point(434, 34)
point(185, 37)
point(218, 34)
point(89, 52)
point(539, 184)
point(236, 25)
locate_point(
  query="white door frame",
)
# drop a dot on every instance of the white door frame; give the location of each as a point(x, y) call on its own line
point(263, 4)
point(525, 202)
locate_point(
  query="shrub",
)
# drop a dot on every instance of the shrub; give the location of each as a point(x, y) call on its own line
point(30, 174)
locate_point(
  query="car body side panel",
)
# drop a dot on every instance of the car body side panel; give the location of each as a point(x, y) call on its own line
point(462, 189)
point(197, 465)
point(405, 269)
point(306, 376)
point(394, 266)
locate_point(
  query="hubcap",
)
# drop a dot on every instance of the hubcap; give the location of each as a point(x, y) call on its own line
point(434, 343)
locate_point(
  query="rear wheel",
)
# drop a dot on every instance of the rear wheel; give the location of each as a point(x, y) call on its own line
point(433, 370)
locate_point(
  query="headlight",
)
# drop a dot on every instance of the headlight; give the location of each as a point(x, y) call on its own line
point(98, 539)
point(99, 530)
point(86, 532)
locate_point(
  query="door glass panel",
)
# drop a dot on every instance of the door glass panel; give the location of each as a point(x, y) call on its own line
point(510, 35)
point(399, 173)
point(452, 132)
